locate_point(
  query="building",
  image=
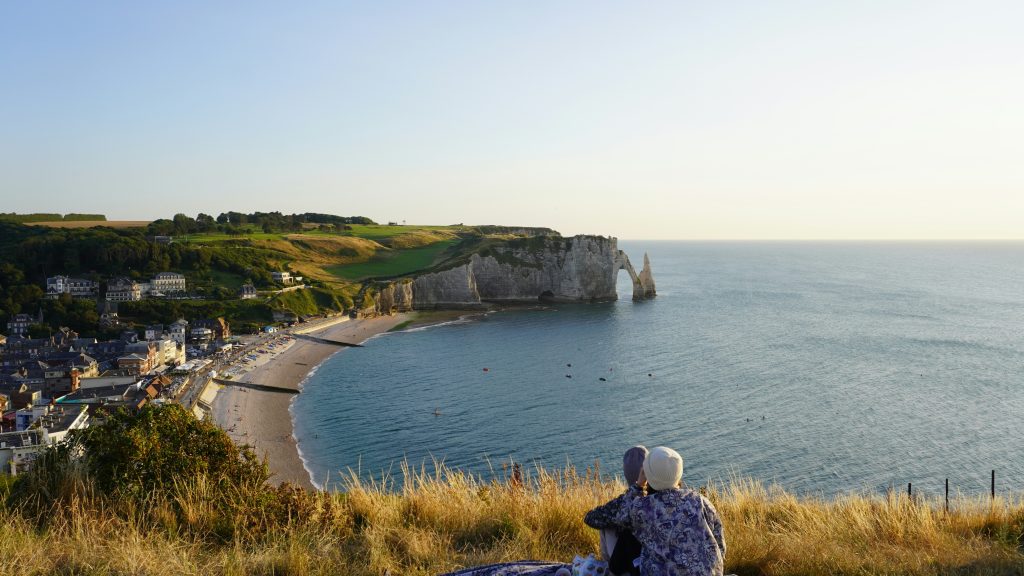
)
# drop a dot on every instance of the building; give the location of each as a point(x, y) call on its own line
point(221, 329)
point(149, 352)
point(169, 352)
point(282, 277)
point(19, 323)
point(132, 395)
point(247, 291)
point(135, 363)
point(178, 331)
point(201, 337)
point(76, 287)
point(124, 290)
point(38, 428)
point(168, 283)
point(155, 332)
point(19, 449)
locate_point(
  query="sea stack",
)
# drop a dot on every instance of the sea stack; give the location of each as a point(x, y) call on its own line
point(645, 282)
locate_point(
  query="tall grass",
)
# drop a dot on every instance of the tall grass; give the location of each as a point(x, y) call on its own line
point(443, 519)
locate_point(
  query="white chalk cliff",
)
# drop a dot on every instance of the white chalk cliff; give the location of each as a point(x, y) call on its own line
point(547, 268)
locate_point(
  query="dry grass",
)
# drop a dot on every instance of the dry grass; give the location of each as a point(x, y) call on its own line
point(93, 224)
point(443, 519)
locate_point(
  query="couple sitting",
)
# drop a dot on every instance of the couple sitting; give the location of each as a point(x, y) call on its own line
point(658, 528)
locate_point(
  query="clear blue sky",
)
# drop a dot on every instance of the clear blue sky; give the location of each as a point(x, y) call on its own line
point(785, 119)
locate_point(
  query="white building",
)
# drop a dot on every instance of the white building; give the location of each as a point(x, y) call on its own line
point(178, 331)
point(282, 277)
point(168, 283)
point(77, 287)
point(124, 290)
point(202, 337)
point(170, 353)
point(48, 426)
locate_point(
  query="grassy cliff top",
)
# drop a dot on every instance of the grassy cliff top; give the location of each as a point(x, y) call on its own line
point(443, 520)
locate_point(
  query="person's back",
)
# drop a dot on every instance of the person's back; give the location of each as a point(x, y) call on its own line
point(680, 533)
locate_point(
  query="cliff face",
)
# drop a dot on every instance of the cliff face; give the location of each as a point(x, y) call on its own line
point(394, 297)
point(581, 268)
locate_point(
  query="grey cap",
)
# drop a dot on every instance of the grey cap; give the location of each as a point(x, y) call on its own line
point(632, 462)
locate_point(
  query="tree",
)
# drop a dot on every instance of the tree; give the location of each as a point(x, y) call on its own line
point(151, 450)
point(183, 224)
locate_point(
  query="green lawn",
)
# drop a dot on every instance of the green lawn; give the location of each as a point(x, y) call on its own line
point(222, 278)
point(215, 237)
point(394, 263)
point(377, 231)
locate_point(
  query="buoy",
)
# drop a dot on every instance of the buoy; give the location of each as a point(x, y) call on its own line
point(603, 379)
point(649, 375)
point(569, 365)
point(487, 369)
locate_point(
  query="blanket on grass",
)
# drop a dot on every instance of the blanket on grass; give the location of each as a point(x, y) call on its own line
point(524, 568)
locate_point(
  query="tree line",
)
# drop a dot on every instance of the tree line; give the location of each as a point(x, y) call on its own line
point(240, 223)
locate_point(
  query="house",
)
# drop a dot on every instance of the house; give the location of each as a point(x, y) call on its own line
point(282, 277)
point(76, 287)
point(135, 363)
point(201, 337)
point(178, 331)
point(19, 323)
point(19, 449)
point(269, 329)
point(155, 332)
point(133, 395)
point(149, 351)
point(168, 283)
point(221, 329)
point(163, 239)
point(247, 291)
point(109, 320)
point(124, 290)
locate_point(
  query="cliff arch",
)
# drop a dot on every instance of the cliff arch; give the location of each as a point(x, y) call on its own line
point(643, 283)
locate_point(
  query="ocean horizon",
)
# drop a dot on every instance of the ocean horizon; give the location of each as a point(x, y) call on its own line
point(821, 366)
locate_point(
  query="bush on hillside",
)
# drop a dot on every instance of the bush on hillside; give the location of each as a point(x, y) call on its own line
point(151, 450)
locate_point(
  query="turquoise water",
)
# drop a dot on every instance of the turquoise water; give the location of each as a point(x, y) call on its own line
point(823, 367)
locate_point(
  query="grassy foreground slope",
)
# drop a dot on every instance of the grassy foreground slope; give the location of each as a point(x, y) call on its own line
point(444, 520)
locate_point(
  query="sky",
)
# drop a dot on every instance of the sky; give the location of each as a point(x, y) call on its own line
point(642, 120)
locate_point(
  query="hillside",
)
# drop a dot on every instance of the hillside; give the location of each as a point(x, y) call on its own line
point(444, 520)
point(335, 255)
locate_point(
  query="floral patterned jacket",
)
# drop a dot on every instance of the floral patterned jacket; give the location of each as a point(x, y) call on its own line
point(679, 530)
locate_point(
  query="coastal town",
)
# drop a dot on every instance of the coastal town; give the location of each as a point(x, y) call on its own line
point(52, 385)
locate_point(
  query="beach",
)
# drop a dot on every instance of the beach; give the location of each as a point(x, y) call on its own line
point(261, 418)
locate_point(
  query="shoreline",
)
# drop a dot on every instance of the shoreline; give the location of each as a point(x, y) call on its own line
point(263, 419)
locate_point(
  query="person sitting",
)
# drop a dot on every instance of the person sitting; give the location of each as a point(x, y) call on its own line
point(619, 547)
point(679, 530)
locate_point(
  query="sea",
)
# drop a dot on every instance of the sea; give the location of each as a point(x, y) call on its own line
point(821, 367)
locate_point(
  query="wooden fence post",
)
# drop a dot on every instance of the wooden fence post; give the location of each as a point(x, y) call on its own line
point(947, 495)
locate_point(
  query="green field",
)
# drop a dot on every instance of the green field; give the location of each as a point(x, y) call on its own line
point(213, 238)
point(222, 278)
point(378, 231)
point(394, 263)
